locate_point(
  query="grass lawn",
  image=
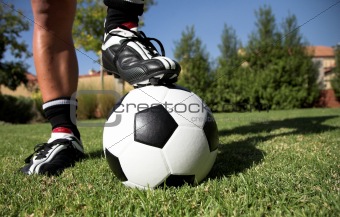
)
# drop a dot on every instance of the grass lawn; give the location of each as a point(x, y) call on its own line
point(270, 163)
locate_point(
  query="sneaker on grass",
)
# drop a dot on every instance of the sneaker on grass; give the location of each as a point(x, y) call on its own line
point(61, 151)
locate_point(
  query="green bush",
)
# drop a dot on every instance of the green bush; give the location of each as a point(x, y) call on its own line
point(336, 86)
point(91, 106)
point(38, 102)
point(336, 80)
point(94, 104)
point(105, 104)
point(16, 109)
point(87, 105)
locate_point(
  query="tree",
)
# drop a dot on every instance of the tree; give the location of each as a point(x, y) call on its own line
point(230, 44)
point(285, 76)
point(194, 60)
point(264, 41)
point(229, 79)
point(290, 33)
point(336, 80)
point(12, 73)
point(302, 72)
point(88, 28)
point(259, 53)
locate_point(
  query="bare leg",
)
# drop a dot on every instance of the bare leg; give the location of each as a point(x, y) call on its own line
point(57, 70)
point(54, 55)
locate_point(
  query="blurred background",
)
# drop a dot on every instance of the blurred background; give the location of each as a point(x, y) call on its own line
point(237, 55)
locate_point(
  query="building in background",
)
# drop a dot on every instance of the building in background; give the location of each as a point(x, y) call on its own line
point(325, 58)
point(90, 81)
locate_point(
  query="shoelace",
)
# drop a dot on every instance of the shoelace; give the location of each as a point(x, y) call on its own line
point(41, 150)
point(143, 39)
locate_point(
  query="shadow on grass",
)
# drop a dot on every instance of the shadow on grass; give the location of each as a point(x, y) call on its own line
point(237, 156)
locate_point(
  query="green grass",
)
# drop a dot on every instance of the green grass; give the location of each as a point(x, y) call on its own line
point(270, 164)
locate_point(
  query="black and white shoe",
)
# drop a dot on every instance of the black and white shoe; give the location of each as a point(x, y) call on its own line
point(60, 152)
point(130, 55)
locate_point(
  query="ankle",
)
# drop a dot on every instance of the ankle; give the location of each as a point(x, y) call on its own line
point(62, 130)
point(61, 113)
point(130, 25)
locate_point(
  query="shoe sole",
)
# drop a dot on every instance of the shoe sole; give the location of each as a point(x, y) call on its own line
point(162, 77)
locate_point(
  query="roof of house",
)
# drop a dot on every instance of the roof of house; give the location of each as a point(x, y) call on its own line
point(30, 77)
point(91, 73)
point(320, 51)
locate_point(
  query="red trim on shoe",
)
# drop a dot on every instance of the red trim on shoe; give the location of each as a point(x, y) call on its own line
point(130, 25)
point(62, 130)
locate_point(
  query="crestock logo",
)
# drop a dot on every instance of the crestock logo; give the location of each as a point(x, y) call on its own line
point(181, 108)
point(192, 112)
point(170, 107)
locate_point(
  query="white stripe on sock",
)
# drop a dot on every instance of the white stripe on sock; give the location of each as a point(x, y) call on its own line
point(135, 1)
point(59, 102)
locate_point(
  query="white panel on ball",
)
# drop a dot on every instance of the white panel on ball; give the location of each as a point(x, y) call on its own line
point(120, 134)
point(206, 167)
point(185, 108)
point(187, 152)
point(144, 165)
point(150, 95)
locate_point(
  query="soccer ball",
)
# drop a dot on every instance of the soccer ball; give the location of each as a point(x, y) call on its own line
point(158, 135)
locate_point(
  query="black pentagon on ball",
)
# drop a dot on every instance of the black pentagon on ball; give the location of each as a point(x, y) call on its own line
point(115, 166)
point(178, 180)
point(211, 132)
point(154, 126)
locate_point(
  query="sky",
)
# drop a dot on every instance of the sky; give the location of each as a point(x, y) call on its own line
point(319, 22)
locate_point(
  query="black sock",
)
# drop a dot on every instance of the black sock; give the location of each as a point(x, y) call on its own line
point(61, 112)
point(120, 11)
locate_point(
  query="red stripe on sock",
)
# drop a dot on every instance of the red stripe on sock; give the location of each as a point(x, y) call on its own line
point(62, 130)
point(130, 25)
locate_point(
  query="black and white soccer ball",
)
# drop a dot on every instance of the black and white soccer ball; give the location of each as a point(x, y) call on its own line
point(160, 135)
